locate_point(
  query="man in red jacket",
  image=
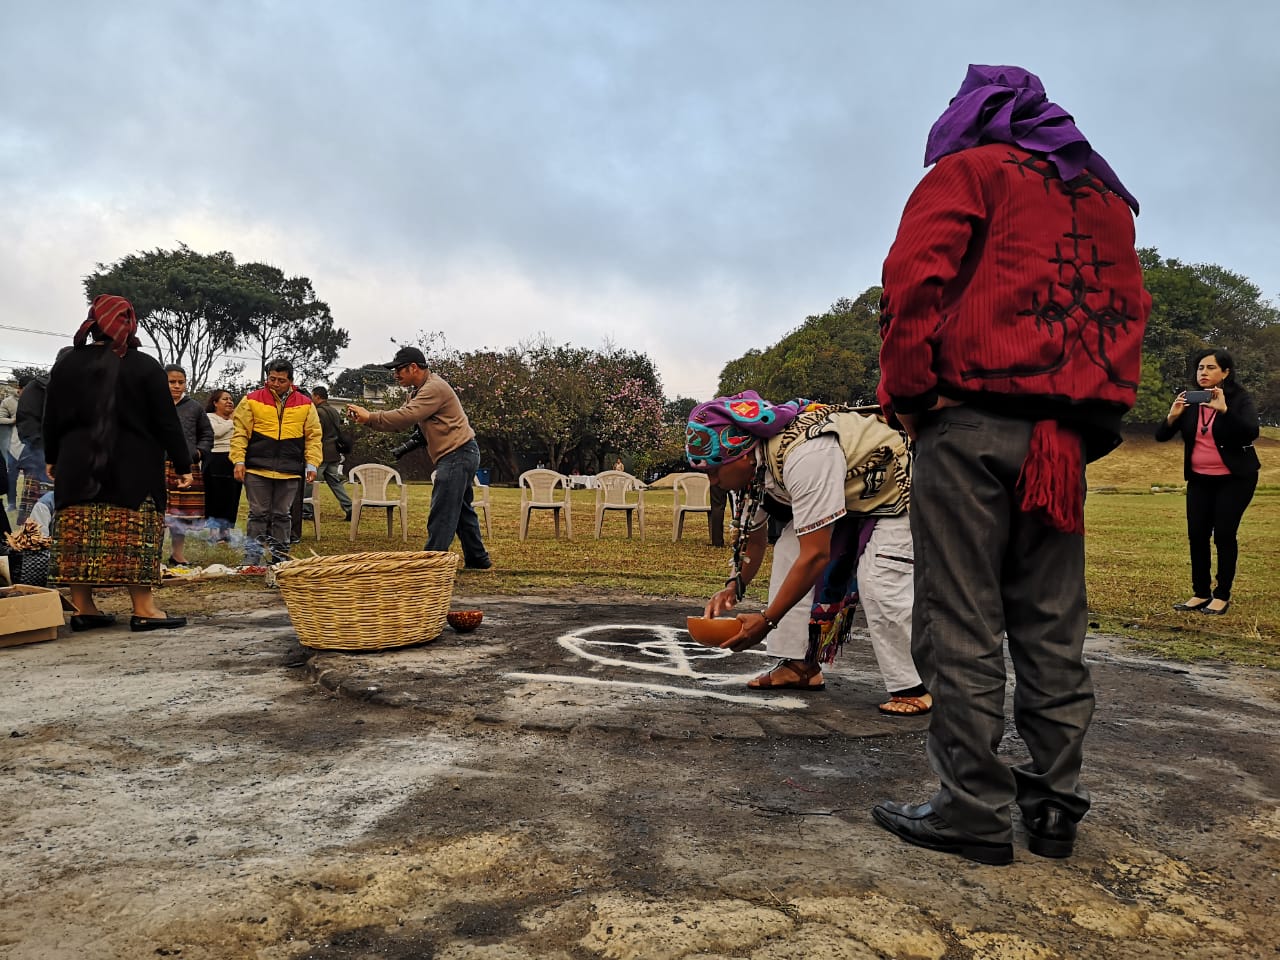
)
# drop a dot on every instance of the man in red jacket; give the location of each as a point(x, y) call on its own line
point(1012, 322)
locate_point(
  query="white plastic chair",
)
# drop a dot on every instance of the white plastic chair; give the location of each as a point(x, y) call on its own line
point(369, 483)
point(480, 501)
point(692, 495)
point(545, 490)
point(315, 513)
point(613, 492)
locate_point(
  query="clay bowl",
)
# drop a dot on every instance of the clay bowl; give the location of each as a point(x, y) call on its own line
point(712, 631)
point(464, 621)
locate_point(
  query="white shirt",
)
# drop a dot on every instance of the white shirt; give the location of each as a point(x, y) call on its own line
point(814, 474)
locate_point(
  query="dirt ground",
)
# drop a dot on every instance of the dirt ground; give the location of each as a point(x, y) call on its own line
point(579, 780)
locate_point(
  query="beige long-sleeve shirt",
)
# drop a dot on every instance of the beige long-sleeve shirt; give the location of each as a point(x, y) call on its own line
point(436, 409)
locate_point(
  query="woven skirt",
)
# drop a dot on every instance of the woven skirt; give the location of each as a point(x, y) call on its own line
point(188, 502)
point(97, 544)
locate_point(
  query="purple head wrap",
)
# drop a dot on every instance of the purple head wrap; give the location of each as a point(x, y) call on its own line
point(728, 428)
point(1007, 104)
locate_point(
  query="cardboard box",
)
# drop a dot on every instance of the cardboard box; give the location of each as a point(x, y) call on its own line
point(30, 614)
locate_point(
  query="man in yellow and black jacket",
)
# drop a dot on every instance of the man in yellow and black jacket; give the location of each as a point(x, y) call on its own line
point(275, 443)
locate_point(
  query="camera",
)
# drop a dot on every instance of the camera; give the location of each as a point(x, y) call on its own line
point(416, 441)
point(1198, 396)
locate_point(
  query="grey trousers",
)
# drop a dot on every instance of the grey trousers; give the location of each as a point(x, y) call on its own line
point(270, 501)
point(985, 572)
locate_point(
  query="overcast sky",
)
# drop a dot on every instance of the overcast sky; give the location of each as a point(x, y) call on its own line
point(686, 179)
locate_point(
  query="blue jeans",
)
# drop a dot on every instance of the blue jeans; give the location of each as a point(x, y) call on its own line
point(451, 510)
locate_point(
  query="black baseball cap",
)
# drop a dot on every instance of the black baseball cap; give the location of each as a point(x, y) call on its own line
point(405, 356)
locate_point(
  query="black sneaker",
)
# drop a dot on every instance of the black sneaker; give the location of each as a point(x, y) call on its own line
point(484, 564)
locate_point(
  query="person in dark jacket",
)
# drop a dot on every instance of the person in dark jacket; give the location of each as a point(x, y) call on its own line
point(1221, 467)
point(186, 504)
point(108, 423)
point(27, 424)
point(331, 433)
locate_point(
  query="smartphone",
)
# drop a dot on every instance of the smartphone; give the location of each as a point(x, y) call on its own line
point(1198, 396)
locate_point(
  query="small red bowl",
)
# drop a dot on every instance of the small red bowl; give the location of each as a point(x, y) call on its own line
point(712, 631)
point(464, 621)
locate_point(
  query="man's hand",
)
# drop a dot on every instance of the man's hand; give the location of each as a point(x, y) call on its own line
point(238, 472)
point(48, 468)
point(911, 421)
point(184, 481)
point(721, 602)
point(357, 413)
point(311, 474)
point(754, 629)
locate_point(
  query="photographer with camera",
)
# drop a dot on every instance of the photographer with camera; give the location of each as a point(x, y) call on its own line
point(1218, 424)
point(441, 425)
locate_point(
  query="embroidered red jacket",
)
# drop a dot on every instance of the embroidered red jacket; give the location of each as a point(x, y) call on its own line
point(1011, 289)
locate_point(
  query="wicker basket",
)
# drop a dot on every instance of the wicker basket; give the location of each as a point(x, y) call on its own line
point(368, 601)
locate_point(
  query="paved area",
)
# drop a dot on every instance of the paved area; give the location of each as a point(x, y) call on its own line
point(577, 781)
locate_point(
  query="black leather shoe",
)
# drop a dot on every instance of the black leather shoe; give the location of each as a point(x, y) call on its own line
point(919, 825)
point(484, 565)
point(138, 624)
point(1187, 607)
point(91, 621)
point(1210, 612)
point(1051, 833)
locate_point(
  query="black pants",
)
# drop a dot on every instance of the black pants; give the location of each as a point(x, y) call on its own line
point(1214, 508)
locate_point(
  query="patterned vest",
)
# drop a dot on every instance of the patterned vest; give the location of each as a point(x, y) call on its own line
point(877, 482)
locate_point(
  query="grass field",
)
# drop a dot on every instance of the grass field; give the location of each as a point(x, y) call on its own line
point(1136, 548)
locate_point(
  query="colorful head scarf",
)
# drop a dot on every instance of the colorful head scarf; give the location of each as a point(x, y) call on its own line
point(1007, 104)
point(114, 319)
point(726, 429)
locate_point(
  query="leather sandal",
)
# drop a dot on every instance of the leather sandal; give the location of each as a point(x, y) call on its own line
point(912, 706)
point(786, 676)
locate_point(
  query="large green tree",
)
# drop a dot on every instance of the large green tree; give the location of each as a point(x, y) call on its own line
point(291, 324)
point(199, 308)
point(194, 306)
point(833, 357)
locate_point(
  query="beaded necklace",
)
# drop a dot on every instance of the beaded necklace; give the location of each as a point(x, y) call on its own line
point(746, 506)
point(1206, 422)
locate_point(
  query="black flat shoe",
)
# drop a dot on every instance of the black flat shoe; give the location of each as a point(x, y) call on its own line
point(91, 621)
point(138, 624)
point(920, 826)
point(1208, 612)
point(1191, 606)
point(1051, 833)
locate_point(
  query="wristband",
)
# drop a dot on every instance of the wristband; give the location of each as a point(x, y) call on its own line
point(769, 621)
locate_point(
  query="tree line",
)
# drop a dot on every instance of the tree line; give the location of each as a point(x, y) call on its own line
point(579, 409)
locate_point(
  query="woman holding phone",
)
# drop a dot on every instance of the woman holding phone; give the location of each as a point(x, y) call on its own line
point(1218, 423)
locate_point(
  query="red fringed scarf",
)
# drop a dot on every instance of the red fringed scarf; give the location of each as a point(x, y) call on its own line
point(1050, 481)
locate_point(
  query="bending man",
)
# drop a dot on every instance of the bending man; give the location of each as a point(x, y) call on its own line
point(842, 483)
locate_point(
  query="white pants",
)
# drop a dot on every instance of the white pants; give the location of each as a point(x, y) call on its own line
point(886, 588)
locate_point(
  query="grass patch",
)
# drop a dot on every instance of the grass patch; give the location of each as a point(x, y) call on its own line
point(1136, 550)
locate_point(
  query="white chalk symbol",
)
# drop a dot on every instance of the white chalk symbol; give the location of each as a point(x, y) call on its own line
point(667, 651)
